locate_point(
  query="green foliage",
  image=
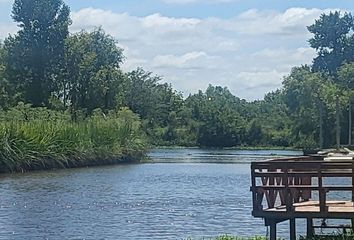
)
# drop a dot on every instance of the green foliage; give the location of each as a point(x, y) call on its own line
point(166, 120)
point(228, 237)
point(44, 139)
point(221, 124)
point(346, 76)
point(307, 95)
point(76, 81)
point(333, 40)
point(92, 77)
point(34, 56)
point(334, 236)
point(4, 86)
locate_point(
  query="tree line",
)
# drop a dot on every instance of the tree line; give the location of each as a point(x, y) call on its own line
point(46, 66)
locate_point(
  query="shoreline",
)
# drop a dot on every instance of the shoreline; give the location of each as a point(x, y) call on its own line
point(232, 148)
point(87, 160)
point(53, 165)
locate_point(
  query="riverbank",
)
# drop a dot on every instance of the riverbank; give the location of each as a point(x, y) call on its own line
point(231, 148)
point(49, 140)
point(331, 237)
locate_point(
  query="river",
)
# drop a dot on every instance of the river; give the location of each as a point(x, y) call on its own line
point(181, 193)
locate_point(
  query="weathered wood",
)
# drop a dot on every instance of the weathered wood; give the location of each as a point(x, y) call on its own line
point(273, 230)
point(309, 228)
point(292, 226)
point(288, 184)
point(300, 187)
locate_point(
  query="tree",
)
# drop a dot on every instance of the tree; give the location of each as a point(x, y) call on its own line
point(272, 117)
point(141, 94)
point(35, 54)
point(333, 40)
point(303, 94)
point(346, 81)
point(157, 103)
point(218, 111)
point(4, 95)
point(93, 78)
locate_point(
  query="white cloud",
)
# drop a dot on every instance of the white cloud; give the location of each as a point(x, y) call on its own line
point(183, 61)
point(196, 1)
point(290, 22)
point(249, 53)
point(6, 29)
point(159, 22)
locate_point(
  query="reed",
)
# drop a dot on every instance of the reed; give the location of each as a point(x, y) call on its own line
point(42, 143)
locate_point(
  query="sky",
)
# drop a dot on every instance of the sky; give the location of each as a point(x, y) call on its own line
point(245, 45)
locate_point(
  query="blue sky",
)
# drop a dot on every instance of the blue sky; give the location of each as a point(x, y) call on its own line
point(204, 9)
point(246, 45)
point(200, 9)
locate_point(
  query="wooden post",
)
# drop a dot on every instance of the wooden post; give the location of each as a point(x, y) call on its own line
point(353, 192)
point(322, 192)
point(273, 230)
point(353, 180)
point(292, 229)
point(309, 230)
point(254, 195)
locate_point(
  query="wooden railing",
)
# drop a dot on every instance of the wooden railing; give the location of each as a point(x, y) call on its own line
point(284, 182)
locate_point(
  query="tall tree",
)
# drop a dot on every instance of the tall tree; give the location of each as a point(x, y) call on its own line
point(4, 95)
point(303, 94)
point(93, 75)
point(346, 82)
point(273, 119)
point(333, 40)
point(218, 111)
point(35, 55)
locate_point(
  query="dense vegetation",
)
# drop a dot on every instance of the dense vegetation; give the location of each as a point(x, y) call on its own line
point(37, 138)
point(77, 75)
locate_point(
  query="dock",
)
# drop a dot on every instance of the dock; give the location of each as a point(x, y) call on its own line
point(300, 188)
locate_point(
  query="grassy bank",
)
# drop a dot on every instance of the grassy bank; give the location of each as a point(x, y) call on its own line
point(330, 237)
point(227, 237)
point(36, 139)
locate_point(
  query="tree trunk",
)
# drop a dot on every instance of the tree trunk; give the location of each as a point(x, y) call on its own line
point(350, 123)
point(337, 123)
point(321, 126)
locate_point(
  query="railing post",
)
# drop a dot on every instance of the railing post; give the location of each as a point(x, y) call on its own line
point(309, 230)
point(253, 188)
point(288, 193)
point(273, 230)
point(292, 229)
point(353, 192)
point(352, 180)
point(322, 191)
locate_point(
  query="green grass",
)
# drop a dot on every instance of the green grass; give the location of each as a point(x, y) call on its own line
point(42, 143)
point(228, 237)
point(330, 237)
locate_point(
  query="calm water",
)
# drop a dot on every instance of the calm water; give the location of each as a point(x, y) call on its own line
point(182, 193)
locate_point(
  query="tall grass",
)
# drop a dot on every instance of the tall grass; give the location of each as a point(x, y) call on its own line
point(33, 143)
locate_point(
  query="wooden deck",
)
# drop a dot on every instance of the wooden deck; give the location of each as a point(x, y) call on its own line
point(303, 187)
